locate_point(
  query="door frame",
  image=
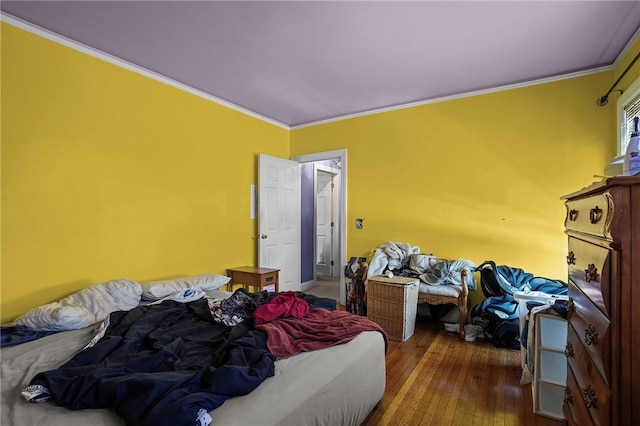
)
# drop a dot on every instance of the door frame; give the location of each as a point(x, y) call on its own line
point(342, 200)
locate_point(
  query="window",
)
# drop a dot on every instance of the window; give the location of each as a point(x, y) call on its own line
point(628, 107)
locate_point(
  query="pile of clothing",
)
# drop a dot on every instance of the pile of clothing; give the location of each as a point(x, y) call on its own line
point(402, 259)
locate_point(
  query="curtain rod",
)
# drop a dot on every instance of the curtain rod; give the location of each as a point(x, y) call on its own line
point(603, 100)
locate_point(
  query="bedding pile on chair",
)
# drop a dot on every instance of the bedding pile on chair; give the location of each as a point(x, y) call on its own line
point(175, 360)
point(402, 259)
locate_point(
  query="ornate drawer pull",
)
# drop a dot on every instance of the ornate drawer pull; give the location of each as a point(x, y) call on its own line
point(591, 335)
point(595, 214)
point(568, 397)
point(571, 306)
point(590, 398)
point(573, 215)
point(568, 350)
point(571, 258)
point(591, 273)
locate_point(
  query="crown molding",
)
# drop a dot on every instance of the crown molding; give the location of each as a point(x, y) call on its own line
point(458, 96)
point(619, 58)
point(626, 48)
point(57, 38)
point(34, 29)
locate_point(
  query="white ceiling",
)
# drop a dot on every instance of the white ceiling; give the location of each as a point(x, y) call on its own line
point(299, 62)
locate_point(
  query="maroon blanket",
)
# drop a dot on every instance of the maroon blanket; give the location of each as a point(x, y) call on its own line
point(319, 329)
point(285, 304)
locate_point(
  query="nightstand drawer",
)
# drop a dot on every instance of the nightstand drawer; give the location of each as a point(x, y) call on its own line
point(269, 278)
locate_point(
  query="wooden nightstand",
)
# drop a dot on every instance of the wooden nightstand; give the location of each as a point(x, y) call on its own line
point(253, 276)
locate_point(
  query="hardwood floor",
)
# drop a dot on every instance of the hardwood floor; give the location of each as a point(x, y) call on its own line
point(437, 379)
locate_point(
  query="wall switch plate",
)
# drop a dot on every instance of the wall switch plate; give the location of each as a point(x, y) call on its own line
point(359, 223)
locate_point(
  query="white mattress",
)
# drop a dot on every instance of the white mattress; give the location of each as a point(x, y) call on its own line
point(334, 386)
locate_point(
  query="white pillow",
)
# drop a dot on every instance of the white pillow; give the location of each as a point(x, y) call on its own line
point(55, 317)
point(84, 308)
point(155, 290)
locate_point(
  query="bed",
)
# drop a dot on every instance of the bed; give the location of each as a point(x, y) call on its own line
point(339, 384)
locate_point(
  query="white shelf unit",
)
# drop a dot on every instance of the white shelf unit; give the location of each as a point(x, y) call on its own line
point(550, 371)
point(522, 299)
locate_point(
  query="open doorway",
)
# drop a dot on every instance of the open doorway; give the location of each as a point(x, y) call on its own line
point(327, 188)
point(323, 247)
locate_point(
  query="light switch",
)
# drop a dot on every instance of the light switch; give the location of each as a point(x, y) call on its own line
point(359, 223)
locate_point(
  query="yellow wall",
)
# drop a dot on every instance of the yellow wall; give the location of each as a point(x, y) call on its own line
point(479, 177)
point(109, 174)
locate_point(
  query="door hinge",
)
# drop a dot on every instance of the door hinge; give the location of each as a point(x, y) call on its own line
point(332, 263)
point(332, 224)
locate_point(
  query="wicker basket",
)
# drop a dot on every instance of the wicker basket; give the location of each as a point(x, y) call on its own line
point(393, 303)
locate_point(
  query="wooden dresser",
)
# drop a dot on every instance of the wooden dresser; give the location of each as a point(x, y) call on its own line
point(603, 340)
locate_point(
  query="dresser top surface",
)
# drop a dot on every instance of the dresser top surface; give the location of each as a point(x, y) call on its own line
point(604, 184)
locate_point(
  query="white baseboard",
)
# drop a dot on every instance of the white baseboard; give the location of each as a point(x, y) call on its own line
point(307, 285)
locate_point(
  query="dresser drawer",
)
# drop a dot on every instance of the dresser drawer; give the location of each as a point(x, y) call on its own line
point(591, 215)
point(590, 387)
point(580, 360)
point(592, 330)
point(575, 411)
point(590, 269)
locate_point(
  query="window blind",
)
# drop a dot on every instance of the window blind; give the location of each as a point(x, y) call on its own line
point(631, 110)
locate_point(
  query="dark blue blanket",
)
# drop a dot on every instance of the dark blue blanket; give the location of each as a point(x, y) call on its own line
point(18, 334)
point(162, 365)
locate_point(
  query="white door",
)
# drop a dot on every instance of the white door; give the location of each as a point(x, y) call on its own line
point(279, 219)
point(325, 223)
